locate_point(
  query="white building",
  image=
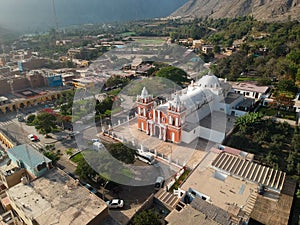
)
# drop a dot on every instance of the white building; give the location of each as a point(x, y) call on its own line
point(250, 90)
point(200, 110)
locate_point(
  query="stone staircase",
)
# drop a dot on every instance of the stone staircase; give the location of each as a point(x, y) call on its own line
point(250, 203)
point(167, 199)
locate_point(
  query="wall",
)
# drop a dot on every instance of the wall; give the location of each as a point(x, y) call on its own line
point(19, 212)
point(197, 115)
point(4, 87)
point(36, 80)
point(15, 178)
point(99, 218)
point(20, 83)
point(239, 113)
point(188, 137)
point(212, 135)
point(55, 80)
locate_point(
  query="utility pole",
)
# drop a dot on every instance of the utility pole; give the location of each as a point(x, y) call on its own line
point(55, 19)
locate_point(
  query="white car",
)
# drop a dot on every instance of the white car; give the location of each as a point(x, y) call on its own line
point(33, 137)
point(115, 203)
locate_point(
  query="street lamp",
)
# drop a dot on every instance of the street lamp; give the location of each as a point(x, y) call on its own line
point(106, 182)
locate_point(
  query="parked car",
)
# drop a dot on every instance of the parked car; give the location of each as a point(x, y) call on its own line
point(90, 188)
point(33, 137)
point(74, 133)
point(159, 183)
point(115, 203)
point(95, 140)
point(72, 175)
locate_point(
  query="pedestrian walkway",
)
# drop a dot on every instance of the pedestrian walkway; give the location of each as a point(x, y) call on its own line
point(6, 123)
point(37, 145)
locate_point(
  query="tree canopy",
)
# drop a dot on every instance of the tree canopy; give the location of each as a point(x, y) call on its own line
point(146, 217)
point(174, 74)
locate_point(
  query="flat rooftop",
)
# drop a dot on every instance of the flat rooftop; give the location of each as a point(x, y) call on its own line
point(249, 87)
point(222, 190)
point(231, 97)
point(189, 215)
point(58, 199)
point(269, 212)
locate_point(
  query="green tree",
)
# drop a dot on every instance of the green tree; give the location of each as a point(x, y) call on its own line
point(45, 121)
point(296, 142)
point(146, 217)
point(84, 171)
point(294, 56)
point(105, 105)
point(174, 74)
point(116, 80)
point(122, 152)
point(287, 85)
point(54, 156)
point(248, 121)
point(30, 118)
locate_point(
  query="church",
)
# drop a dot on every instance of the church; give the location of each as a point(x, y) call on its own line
point(179, 119)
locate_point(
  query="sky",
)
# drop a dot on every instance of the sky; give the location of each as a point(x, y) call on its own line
point(32, 15)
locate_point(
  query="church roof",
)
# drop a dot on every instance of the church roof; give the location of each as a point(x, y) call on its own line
point(210, 81)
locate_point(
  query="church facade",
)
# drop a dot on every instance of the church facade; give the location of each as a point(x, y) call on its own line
point(179, 119)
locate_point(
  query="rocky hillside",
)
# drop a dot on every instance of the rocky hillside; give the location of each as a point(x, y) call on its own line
point(266, 10)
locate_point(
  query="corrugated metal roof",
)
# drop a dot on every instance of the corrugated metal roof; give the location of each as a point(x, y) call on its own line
point(28, 155)
point(240, 167)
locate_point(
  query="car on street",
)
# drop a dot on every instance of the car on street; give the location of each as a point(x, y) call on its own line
point(33, 137)
point(72, 175)
point(115, 203)
point(74, 133)
point(159, 183)
point(90, 188)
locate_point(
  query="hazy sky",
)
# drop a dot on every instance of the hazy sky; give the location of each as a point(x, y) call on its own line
point(36, 14)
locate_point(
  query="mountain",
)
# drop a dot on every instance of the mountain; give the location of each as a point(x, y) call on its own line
point(6, 34)
point(264, 10)
point(40, 14)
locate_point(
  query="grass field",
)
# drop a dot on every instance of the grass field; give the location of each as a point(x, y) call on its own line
point(77, 158)
point(275, 112)
point(154, 41)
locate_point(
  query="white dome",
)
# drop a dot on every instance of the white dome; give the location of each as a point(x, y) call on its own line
point(209, 81)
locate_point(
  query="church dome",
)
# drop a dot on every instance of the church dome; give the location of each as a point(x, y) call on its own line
point(209, 81)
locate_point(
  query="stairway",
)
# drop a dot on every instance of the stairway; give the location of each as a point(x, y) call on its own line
point(250, 203)
point(167, 199)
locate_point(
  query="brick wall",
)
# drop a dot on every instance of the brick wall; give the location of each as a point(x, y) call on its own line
point(4, 87)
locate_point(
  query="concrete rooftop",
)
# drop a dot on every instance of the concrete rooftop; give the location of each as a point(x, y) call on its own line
point(56, 198)
point(222, 190)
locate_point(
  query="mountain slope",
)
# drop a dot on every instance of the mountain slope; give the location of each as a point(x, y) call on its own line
point(266, 10)
point(36, 15)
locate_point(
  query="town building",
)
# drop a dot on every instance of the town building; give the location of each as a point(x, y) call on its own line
point(33, 192)
point(207, 49)
point(228, 187)
point(183, 119)
point(251, 90)
point(25, 156)
point(56, 198)
point(297, 103)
